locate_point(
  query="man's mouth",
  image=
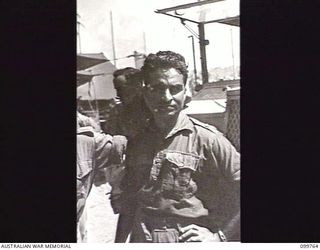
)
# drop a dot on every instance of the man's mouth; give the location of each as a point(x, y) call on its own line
point(165, 108)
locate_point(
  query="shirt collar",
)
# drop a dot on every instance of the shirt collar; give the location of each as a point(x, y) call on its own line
point(183, 123)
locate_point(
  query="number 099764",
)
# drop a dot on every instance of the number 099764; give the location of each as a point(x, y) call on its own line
point(308, 245)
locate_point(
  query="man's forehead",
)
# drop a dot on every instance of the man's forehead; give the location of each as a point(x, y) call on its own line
point(166, 73)
point(120, 80)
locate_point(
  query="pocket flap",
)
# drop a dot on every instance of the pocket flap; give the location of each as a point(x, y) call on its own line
point(183, 160)
point(83, 168)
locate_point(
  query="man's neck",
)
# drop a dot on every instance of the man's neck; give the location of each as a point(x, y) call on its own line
point(165, 125)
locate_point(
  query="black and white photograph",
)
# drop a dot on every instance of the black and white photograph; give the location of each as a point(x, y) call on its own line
point(158, 121)
point(150, 104)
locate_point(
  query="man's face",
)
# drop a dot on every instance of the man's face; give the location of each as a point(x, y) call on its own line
point(125, 91)
point(165, 92)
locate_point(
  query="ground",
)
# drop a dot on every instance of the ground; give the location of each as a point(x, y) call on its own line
point(101, 219)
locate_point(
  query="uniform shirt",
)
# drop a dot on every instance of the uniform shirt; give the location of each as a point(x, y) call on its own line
point(94, 151)
point(194, 172)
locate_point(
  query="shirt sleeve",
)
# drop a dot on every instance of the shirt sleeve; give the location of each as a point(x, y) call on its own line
point(227, 161)
point(226, 158)
point(109, 149)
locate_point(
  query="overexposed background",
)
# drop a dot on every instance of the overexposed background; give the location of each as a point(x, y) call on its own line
point(137, 27)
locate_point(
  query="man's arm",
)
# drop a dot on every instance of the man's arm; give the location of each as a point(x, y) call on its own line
point(109, 149)
point(124, 226)
point(226, 162)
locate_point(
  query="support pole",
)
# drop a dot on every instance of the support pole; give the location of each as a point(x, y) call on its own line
point(232, 53)
point(112, 37)
point(144, 43)
point(203, 42)
point(194, 62)
point(78, 33)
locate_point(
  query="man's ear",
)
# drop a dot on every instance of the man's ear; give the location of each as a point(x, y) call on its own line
point(144, 96)
point(187, 94)
point(144, 87)
point(185, 91)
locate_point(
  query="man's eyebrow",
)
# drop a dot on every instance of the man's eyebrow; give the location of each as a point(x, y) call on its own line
point(159, 82)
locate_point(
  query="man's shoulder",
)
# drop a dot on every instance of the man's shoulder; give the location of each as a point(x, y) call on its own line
point(209, 134)
point(204, 127)
point(115, 105)
point(86, 130)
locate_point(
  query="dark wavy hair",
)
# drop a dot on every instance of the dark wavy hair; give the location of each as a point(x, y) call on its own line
point(165, 60)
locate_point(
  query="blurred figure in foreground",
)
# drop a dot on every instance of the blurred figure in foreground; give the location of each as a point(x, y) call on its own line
point(94, 151)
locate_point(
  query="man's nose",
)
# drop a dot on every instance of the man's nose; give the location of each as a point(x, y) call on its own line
point(166, 96)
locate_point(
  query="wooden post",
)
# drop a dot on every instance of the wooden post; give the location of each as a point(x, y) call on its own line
point(203, 42)
point(112, 37)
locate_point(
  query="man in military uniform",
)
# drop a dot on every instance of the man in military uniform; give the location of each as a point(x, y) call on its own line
point(94, 151)
point(129, 116)
point(182, 176)
point(129, 113)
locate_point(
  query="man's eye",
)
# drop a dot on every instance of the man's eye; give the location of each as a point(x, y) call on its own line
point(175, 89)
point(155, 88)
point(150, 88)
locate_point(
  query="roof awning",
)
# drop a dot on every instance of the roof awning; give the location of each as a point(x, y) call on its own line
point(85, 61)
point(84, 77)
point(207, 11)
point(206, 106)
point(233, 21)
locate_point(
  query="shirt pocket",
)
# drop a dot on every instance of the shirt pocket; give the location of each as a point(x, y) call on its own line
point(178, 175)
point(183, 161)
point(84, 168)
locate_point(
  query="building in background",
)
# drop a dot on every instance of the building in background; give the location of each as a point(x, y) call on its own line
point(218, 104)
point(95, 87)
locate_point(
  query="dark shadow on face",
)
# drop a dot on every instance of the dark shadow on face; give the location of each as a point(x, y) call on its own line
point(127, 94)
point(164, 92)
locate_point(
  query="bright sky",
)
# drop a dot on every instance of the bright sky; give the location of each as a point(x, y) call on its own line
point(134, 18)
